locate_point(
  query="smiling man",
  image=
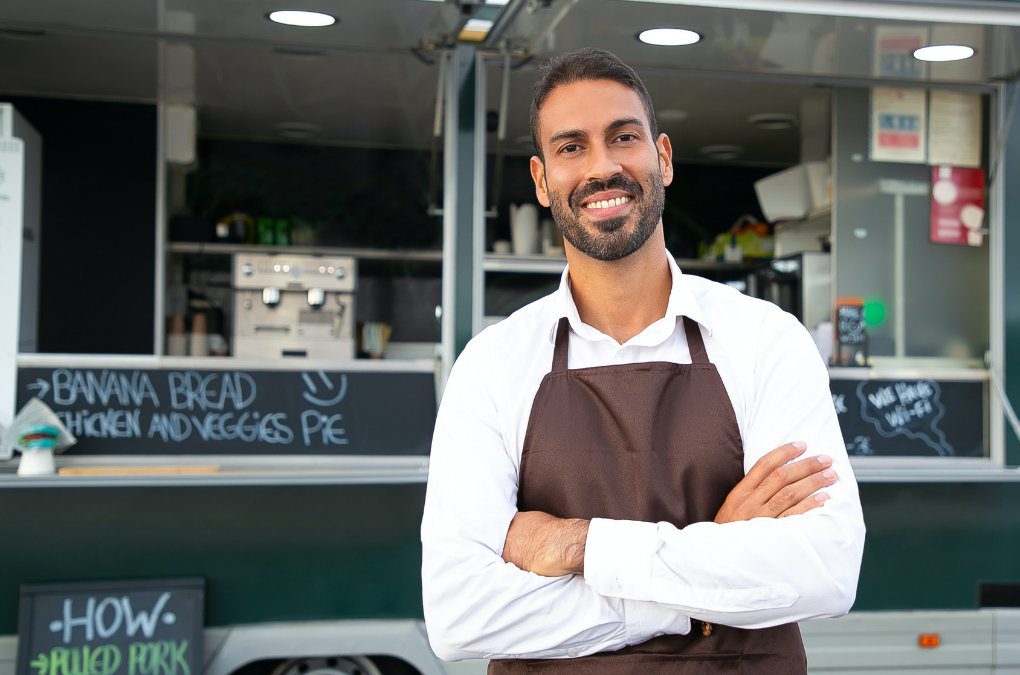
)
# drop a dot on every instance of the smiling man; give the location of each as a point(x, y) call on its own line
point(642, 472)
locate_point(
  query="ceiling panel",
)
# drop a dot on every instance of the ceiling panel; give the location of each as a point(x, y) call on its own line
point(359, 81)
point(761, 42)
point(713, 112)
point(370, 24)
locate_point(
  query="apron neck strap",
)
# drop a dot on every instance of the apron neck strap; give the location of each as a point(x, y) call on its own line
point(559, 363)
point(694, 341)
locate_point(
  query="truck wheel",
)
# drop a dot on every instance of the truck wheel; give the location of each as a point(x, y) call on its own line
point(334, 665)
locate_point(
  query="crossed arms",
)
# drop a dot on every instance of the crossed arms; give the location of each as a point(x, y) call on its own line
point(492, 589)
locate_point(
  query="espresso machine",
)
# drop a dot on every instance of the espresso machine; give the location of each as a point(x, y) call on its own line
point(293, 306)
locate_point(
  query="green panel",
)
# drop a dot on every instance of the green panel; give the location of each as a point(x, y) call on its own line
point(930, 545)
point(340, 552)
point(266, 553)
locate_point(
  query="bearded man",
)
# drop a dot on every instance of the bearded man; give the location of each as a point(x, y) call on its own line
point(642, 472)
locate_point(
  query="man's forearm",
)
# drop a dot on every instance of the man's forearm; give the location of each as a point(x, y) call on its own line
point(549, 546)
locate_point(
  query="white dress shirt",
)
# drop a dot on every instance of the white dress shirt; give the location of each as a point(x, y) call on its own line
point(640, 580)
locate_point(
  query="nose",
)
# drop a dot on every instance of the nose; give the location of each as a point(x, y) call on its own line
point(602, 164)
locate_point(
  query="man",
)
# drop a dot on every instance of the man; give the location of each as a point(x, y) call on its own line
point(642, 449)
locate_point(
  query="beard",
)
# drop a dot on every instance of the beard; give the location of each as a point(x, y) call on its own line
point(609, 238)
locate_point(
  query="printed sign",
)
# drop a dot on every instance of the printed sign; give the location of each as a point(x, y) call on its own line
point(894, 52)
point(124, 411)
point(957, 205)
point(954, 129)
point(898, 125)
point(112, 628)
point(885, 417)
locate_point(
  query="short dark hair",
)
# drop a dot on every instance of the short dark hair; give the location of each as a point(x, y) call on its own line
point(589, 63)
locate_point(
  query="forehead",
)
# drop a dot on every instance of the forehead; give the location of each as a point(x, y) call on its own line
point(588, 105)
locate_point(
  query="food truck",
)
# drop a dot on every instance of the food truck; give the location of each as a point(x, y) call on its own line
point(247, 254)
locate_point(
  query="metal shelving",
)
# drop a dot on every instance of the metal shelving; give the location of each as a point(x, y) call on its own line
point(198, 248)
point(522, 264)
point(525, 264)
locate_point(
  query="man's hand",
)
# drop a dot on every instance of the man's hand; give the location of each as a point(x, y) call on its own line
point(546, 545)
point(773, 488)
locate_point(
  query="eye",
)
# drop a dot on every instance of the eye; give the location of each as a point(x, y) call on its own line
point(626, 138)
point(570, 148)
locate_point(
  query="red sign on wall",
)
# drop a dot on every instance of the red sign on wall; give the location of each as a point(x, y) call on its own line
point(957, 205)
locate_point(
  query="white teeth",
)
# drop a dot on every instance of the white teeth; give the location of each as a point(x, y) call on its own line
point(607, 203)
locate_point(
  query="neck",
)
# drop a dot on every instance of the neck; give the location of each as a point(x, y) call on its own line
point(622, 297)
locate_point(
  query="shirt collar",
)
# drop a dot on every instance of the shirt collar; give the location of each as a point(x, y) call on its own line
point(681, 303)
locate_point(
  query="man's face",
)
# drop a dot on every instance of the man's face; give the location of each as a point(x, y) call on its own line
point(603, 174)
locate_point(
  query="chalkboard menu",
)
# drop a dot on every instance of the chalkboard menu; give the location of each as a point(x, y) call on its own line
point(138, 411)
point(911, 418)
point(112, 628)
point(850, 324)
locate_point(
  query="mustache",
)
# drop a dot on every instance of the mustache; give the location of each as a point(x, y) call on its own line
point(615, 182)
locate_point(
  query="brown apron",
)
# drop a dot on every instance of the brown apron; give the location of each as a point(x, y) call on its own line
point(652, 442)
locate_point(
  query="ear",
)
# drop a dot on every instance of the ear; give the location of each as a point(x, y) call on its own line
point(538, 175)
point(665, 152)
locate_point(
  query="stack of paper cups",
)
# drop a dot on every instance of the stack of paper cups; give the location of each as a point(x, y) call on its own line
point(199, 341)
point(176, 339)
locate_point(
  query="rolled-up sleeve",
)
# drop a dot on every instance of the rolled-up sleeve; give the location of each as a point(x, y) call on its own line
point(476, 605)
point(765, 571)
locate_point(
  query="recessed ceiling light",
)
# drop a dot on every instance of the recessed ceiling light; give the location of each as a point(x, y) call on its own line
point(298, 130)
point(296, 17)
point(773, 121)
point(671, 115)
point(722, 152)
point(944, 53)
point(669, 37)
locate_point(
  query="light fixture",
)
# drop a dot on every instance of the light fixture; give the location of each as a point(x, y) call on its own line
point(773, 121)
point(669, 37)
point(475, 30)
point(722, 152)
point(944, 53)
point(296, 17)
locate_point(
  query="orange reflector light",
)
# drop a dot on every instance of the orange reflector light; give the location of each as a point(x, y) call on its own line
point(929, 640)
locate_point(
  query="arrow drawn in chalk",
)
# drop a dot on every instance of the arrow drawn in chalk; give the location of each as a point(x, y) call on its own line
point(41, 388)
point(334, 390)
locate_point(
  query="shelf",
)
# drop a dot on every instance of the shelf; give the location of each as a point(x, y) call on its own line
point(521, 264)
point(359, 253)
point(524, 264)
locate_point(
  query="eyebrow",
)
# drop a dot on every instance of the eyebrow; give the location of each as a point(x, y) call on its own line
point(577, 133)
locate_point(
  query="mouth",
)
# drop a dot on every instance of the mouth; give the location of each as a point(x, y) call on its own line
point(602, 206)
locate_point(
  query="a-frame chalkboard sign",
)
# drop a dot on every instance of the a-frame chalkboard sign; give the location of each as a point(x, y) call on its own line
point(112, 627)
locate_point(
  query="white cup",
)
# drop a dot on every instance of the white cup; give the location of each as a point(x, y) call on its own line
point(36, 463)
point(524, 230)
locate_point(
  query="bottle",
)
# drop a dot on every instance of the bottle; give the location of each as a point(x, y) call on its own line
point(282, 232)
point(266, 231)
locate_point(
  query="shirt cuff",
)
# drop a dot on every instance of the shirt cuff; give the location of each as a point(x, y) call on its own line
point(618, 556)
